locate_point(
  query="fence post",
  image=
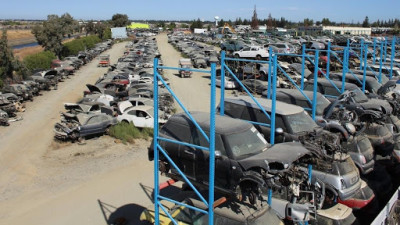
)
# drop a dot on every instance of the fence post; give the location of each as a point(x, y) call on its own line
point(155, 143)
point(222, 97)
point(316, 69)
point(303, 59)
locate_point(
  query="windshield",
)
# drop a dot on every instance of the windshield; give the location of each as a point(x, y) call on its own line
point(359, 96)
point(300, 122)
point(374, 86)
point(343, 167)
point(249, 142)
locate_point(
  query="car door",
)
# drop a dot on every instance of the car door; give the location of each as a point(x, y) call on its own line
point(223, 169)
point(92, 126)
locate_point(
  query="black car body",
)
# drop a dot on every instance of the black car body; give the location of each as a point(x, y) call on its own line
point(244, 161)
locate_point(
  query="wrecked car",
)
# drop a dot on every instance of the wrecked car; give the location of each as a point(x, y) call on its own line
point(241, 155)
point(20, 90)
point(7, 106)
point(84, 107)
point(3, 118)
point(75, 127)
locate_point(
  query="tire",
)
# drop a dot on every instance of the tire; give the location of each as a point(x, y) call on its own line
point(258, 57)
point(237, 56)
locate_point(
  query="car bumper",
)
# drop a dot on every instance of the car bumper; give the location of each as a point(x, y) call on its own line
point(360, 199)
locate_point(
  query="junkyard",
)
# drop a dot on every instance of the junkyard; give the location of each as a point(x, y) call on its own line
point(225, 124)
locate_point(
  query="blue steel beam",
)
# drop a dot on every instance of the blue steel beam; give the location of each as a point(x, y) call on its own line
point(212, 148)
point(155, 144)
point(222, 103)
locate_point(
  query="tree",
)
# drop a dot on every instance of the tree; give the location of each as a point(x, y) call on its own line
point(365, 22)
point(6, 57)
point(196, 24)
point(308, 22)
point(69, 24)
point(50, 34)
point(172, 26)
point(119, 20)
point(326, 22)
point(254, 20)
point(270, 23)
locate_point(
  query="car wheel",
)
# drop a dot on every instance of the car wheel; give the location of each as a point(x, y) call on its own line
point(237, 56)
point(258, 57)
point(252, 197)
point(107, 131)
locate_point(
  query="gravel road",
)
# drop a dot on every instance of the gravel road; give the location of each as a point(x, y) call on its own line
point(45, 182)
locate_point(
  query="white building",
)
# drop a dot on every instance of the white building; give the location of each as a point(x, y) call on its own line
point(338, 30)
point(348, 30)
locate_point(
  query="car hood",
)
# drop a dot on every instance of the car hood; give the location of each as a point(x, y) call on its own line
point(377, 104)
point(93, 88)
point(281, 155)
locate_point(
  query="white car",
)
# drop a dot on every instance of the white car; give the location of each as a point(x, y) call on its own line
point(230, 82)
point(252, 52)
point(141, 116)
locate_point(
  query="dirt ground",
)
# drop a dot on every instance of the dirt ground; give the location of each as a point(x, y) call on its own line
point(45, 182)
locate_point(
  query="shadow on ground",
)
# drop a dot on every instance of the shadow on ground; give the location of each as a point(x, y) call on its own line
point(124, 215)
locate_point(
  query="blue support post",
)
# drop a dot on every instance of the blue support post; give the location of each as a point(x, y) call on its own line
point(314, 105)
point(393, 52)
point(303, 59)
point(365, 68)
point(309, 173)
point(212, 148)
point(386, 40)
point(273, 107)
point(155, 143)
point(345, 67)
point(221, 102)
point(328, 63)
point(271, 52)
point(380, 62)
point(348, 43)
point(362, 65)
point(374, 53)
point(269, 196)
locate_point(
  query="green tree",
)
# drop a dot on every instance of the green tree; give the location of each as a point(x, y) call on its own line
point(172, 26)
point(50, 34)
point(365, 22)
point(119, 20)
point(196, 24)
point(308, 22)
point(326, 22)
point(6, 57)
point(69, 24)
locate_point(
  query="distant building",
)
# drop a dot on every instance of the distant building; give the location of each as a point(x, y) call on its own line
point(119, 33)
point(138, 26)
point(336, 30)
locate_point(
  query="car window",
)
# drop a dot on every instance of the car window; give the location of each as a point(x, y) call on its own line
point(177, 131)
point(132, 112)
point(246, 49)
point(331, 91)
point(233, 110)
point(94, 120)
point(140, 113)
point(246, 143)
point(202, 141)
point(300, 122)
point(344, 167)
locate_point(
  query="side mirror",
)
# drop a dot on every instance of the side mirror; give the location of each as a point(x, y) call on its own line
point(279, 131)
point(218, 154)
point(147, 117)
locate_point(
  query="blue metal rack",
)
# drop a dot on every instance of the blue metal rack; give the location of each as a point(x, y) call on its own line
point(159, 150)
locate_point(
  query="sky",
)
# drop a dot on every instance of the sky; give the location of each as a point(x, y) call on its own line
point(294, 10)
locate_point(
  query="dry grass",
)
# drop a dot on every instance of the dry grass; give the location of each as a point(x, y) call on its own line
point(19, 34)
point(23, 52)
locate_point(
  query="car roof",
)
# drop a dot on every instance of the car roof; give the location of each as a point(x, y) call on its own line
point(281, 107)
point(326, 82)
point(141, 107)
point(294, 93)
point(223, 124)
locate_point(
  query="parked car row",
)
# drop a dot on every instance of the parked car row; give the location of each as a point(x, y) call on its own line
point(13, 95)
point(124, 94)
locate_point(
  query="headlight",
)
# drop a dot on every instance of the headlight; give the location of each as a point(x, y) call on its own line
point(343, 184)
point(350, 128)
